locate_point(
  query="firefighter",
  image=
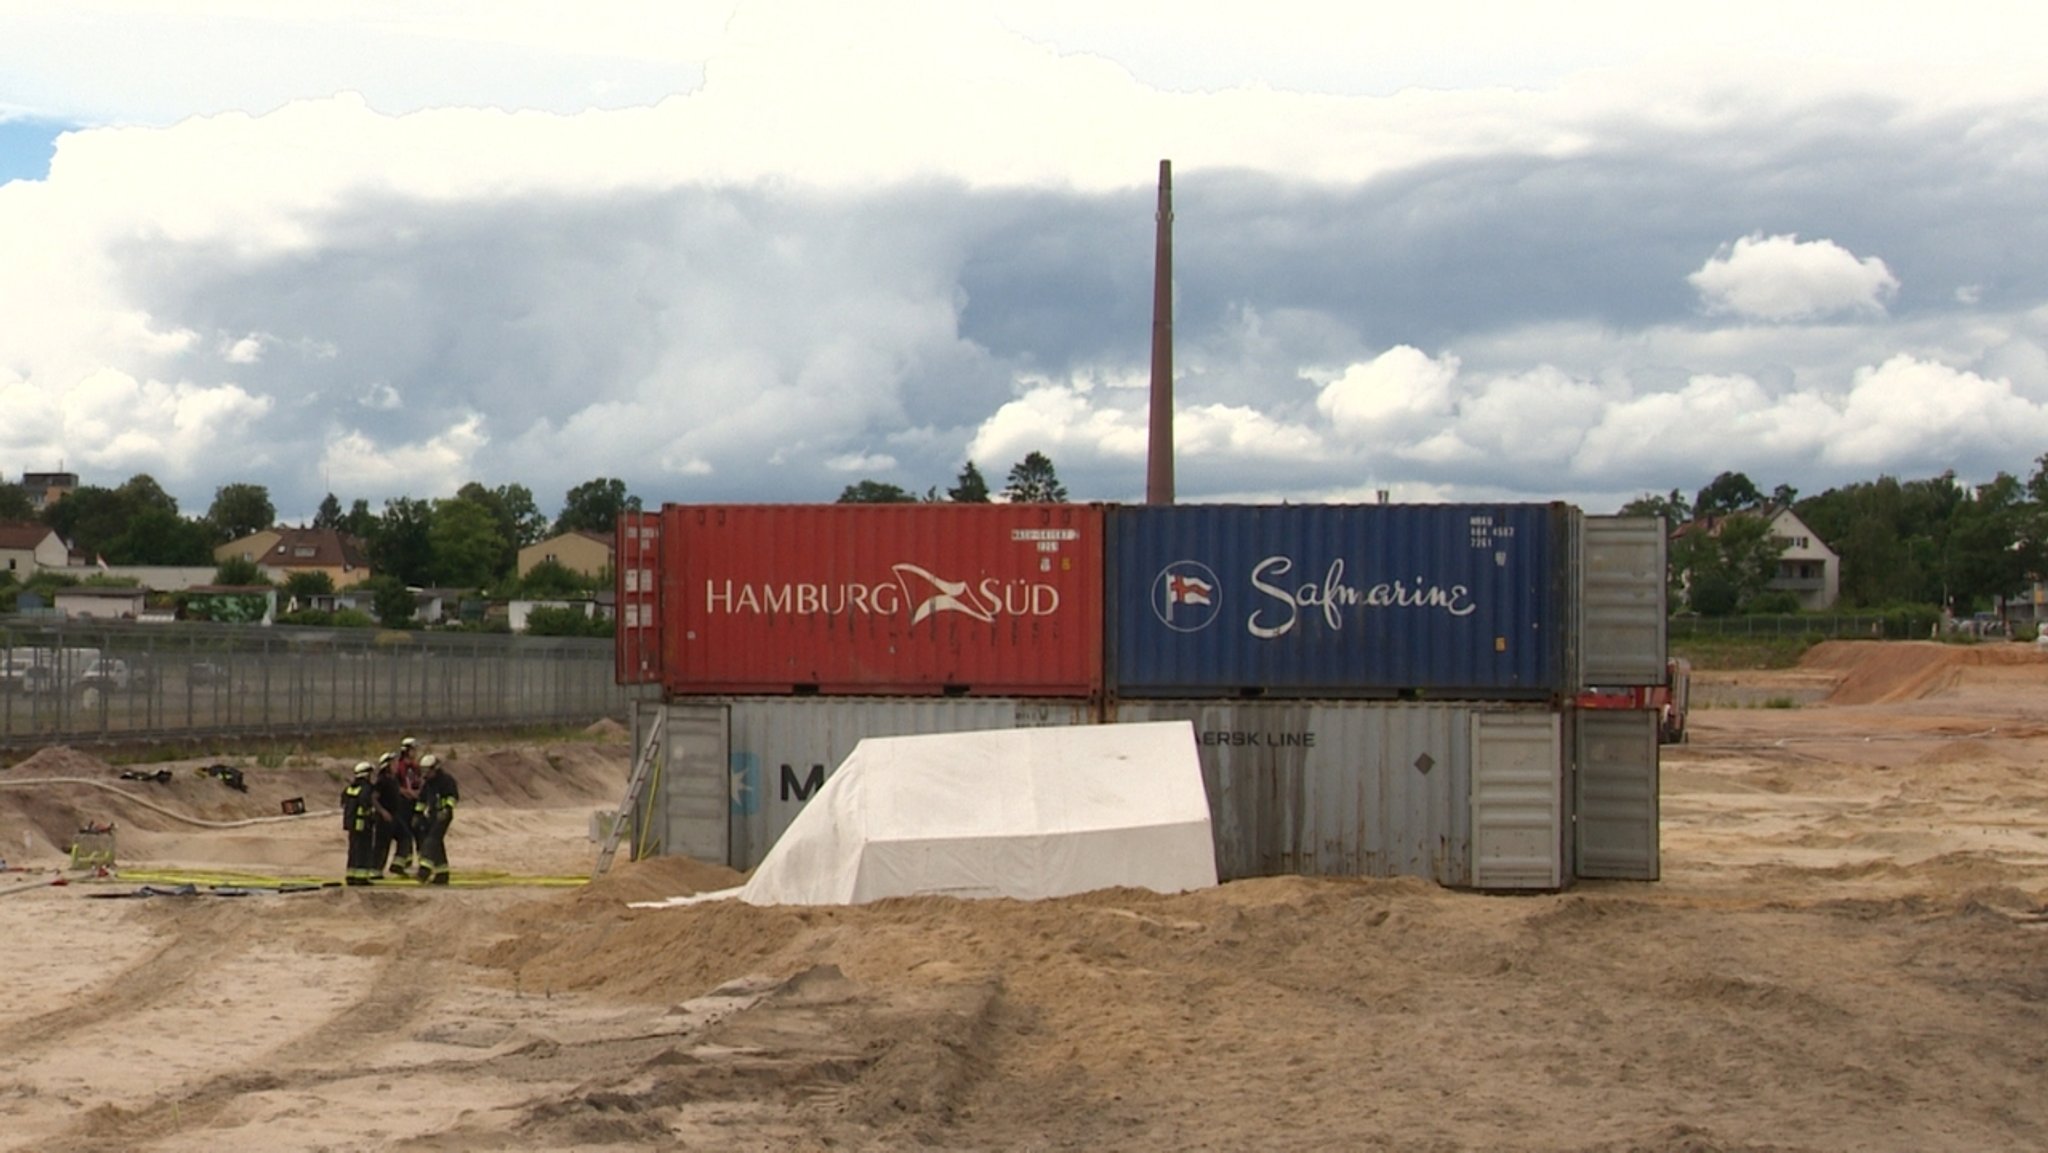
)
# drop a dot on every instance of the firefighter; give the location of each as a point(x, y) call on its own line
point(359, 821)
point(394, 821)
point(405, 770)
point(436, 808)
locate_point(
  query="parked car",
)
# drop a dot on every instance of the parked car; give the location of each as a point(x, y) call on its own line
point(23, 677)
point(105, 673)
point(206, 673)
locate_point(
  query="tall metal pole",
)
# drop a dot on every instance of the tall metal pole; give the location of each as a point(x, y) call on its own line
point(1159, 459)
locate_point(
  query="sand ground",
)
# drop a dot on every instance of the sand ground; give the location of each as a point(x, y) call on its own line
point(1847, 952)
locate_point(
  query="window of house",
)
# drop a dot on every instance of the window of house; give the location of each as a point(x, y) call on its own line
point(303, 551)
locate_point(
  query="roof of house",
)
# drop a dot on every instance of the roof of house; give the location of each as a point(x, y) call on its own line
point(1712, 522)
point(599, 538)
point(24, 534)
point(311, 548)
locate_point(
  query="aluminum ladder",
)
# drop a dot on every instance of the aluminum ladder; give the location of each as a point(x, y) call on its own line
point(643, 770)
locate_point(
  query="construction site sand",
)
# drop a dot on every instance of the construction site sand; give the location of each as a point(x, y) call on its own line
point(1846, 952)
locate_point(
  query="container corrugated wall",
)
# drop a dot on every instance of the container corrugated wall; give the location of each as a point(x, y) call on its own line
point(1459, 601)
point(957, 599)
point(1335, 788)
point(780, 750)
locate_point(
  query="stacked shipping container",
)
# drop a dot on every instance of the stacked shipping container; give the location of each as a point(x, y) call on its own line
point(1367, 682)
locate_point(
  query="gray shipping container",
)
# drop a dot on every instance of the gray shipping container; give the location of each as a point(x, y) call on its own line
point(1619, 633)
point(735, 771)
point(1380, 788)
point(1487, 795)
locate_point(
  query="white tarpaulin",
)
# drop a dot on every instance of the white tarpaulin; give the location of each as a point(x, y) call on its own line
point(1025, 813)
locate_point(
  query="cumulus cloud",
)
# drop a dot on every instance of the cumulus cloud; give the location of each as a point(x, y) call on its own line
point(433, 466)
point(839, 248)
point(1392, 394)
point(1782, 278)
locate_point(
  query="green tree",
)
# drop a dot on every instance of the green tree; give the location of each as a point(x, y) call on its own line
point(1034, 481)
point(239, 510)
point(93, 519)
point(1726, 493)
point(468, 549)
point(154, 536)
point(1674, 508)
point(90, 517)
point(519, 520)
point(304, 586)
point(552, 578)
point(1726, 568)
point(239, 571)
point(360, 522)
point(595, 505)
point(550, 621)
point(403, 547)
point(1992, 545)
point(968, 487)
point(141, 491)
point(14, 502)
point(329, 514)
point(875, 492)
point(393, 603)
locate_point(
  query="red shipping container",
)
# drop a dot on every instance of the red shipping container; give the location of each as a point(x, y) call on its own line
point(961, 599)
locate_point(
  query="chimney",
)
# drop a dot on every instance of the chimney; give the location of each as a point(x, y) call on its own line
point(1159, 458)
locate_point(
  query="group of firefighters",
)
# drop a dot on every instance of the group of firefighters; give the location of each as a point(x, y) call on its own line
point(396, 813)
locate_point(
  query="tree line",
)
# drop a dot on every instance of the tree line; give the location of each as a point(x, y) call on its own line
point(468, 541)
point(1033, 480)
point(1931, 542)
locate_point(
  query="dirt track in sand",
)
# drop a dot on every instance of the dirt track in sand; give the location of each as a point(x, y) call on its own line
point(1847, 952)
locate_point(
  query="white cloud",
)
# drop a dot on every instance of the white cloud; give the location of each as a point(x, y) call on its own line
point(1781, 278)
point(433, 467)
point(1391, 395)
point(114, 422)
point(1910, 409)
point(852, 243)
point(867, 463)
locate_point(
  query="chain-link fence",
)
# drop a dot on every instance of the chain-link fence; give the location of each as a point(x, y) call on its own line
point(88, 682)
point(1899, 625)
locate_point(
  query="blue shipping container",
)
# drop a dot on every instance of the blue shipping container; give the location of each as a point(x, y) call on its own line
point(1444, 601)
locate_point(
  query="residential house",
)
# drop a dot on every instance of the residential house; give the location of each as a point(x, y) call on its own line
point(282, 552)
point(47, 488)
point(27, 548)
point(1807, 567)
point(589, 553)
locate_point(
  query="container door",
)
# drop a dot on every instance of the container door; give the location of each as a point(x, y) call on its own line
point(692, 811)
point(636, 554)
point(1621, 601)
point(1615, 794)
point(1517, 801)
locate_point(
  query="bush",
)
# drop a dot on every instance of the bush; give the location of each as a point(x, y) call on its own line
point(561, 622)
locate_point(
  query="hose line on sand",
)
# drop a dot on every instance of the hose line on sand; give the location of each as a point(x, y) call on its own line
point(146, 803)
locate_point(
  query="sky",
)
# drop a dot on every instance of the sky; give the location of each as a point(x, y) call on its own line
point(760, 251)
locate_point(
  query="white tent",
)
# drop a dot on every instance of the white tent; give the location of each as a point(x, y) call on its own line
point(1025, 813)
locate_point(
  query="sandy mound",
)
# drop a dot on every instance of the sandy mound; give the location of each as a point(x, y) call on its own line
point(1877, 672)
point(50, 795)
